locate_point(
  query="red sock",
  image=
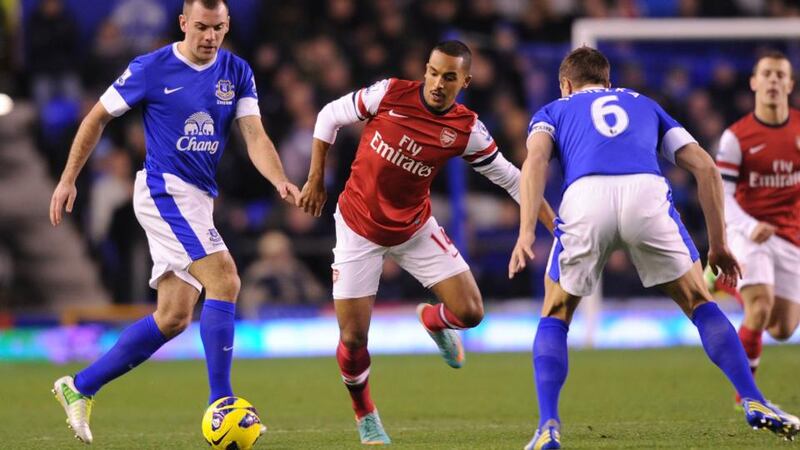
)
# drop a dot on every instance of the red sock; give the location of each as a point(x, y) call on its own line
point(354, 365)
point(751, 341)
point(438, 317)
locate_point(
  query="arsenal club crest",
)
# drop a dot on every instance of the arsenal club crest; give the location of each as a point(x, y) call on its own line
point(447, 137)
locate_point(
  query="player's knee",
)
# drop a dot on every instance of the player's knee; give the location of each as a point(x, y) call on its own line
point(782, 331)
point(225, 287)
point(172, 323)
point(353, 340)
point(473, 314)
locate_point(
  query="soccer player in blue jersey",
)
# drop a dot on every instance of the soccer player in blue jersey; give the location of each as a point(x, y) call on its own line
point(614, 196)
point(191, 93)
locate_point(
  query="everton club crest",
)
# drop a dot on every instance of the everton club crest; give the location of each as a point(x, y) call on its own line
point(225, 92)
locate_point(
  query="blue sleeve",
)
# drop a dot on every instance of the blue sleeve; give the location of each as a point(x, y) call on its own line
point(132, 85)
point(665, 121)
point(248, 83)
point(127, 91)
point(246, 93)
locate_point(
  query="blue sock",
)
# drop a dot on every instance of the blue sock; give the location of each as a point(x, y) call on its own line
point(216, 330)
point(135, 344)
point(550, 365)
point(722, 346)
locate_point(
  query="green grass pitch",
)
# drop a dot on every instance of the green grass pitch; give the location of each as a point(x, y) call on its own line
point(669, 398)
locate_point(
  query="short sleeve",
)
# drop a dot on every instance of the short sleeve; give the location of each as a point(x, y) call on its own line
point(247, 102)
point(542, 122)
point(481, 148)
point(671, 134)
point(368, 99)
point(129, 89)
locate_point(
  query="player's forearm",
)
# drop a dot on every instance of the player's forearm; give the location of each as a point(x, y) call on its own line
point(266, 160)
point(86, 139)
point(319, 151)
point(532, 182)
point(502, 173)
point(547, 216)
point(709, 188)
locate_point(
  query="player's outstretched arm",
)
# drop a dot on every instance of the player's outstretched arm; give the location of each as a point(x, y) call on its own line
point(265, 158)
point(313, 196)
point(693, 158)
point(532, 181)
point(506, 175)
point(86, 139)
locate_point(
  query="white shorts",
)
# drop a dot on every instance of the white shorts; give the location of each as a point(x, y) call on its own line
point(428, 255)
point(178, 220)
point(775, 262)
point(599, 214)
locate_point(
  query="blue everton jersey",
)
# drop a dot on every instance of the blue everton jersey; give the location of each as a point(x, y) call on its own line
point(188, 109)
point(609, 132)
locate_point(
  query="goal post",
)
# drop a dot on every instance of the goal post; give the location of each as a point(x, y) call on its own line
point(590, 31)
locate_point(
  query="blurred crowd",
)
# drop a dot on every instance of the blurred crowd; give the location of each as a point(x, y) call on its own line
point(61, 55)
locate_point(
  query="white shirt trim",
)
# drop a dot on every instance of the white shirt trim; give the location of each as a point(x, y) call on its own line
point(543, 127)
point(113, 102)
point(247, 106)
point(675, 139)
point(186, 61)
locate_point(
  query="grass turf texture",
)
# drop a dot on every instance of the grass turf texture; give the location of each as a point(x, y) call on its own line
point(670, 398)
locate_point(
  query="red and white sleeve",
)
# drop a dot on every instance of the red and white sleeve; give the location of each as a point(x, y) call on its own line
point(729, 159)
point(482, 154)
point(349, 109)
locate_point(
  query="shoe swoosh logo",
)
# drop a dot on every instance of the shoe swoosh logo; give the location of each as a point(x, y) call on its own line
point(170, 91)
point(217, 441)
point(394, 114)
point(227, 349)
point(756, 149)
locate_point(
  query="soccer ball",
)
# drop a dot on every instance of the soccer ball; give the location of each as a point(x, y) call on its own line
point(231, 423)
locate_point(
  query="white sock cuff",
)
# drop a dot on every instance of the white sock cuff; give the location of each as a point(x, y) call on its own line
point(356, 380)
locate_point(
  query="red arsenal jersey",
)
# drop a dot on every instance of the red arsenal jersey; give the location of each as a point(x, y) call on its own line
point(403, 146)
point(764, 162)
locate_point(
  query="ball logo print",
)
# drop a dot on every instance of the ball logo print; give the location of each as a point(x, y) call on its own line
point(447, 137)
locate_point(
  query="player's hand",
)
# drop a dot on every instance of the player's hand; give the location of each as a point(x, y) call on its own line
point(762, 232)
point(289, 192)
point(722, 260)
point(64, 193)
point(522, 251)
point(313, 198)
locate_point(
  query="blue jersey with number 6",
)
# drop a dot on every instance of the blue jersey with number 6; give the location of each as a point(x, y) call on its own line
point(613, 131)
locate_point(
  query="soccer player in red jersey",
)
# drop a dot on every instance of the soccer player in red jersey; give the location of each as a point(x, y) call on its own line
point(412, 129)
point(759, 158)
